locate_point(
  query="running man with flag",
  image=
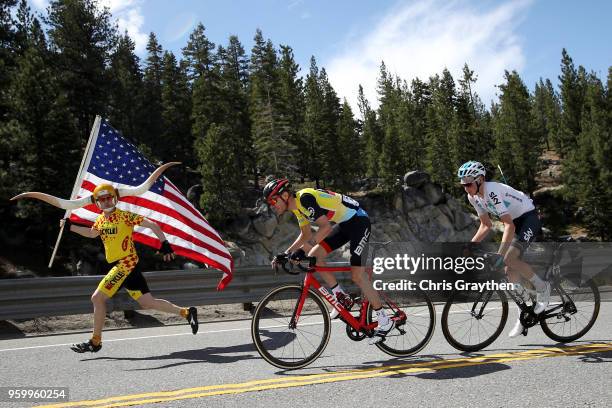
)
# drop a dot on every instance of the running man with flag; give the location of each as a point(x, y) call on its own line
point(113, 202)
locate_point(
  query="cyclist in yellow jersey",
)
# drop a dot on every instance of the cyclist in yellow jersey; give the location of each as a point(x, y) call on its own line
point(115, 227)
point(352, 224)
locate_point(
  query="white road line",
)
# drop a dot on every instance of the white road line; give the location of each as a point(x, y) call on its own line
point(151, 337)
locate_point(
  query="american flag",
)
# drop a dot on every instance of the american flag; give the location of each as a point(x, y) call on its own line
point(113, 159)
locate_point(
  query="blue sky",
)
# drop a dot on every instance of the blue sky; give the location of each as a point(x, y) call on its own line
point(414, 38)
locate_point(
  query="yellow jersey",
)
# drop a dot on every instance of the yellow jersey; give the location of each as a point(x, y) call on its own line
point(116, 233)
point(313, 203)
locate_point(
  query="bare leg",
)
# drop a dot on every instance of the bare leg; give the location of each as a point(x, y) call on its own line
point(320, 253)
point(147, 301)
point(99, 303)
point(361, 279)
point(516, 265)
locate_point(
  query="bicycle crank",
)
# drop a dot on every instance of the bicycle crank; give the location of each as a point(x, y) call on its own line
point(528, 319)
point(353, 334)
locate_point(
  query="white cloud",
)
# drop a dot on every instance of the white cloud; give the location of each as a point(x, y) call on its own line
point(422, 38)
point(130, 18)
point(40, 4)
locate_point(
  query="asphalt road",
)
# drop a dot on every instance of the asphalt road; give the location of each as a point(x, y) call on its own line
point(220, 367)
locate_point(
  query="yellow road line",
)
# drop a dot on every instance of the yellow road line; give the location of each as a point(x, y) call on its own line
point(298, 381)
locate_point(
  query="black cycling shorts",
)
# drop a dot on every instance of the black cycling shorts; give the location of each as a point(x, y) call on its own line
point(527, 228)
point(356, 231)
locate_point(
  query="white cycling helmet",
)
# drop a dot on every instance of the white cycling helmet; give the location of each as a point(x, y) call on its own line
point(471, 169)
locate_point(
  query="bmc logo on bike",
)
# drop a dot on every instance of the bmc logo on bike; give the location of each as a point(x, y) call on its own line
point(362, 243)
point(330, 298)
point(528, 234)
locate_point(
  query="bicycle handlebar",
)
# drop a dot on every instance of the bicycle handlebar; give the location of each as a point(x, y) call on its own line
point(288, 266)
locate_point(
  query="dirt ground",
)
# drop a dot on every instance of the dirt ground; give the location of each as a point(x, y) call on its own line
point(115, 320)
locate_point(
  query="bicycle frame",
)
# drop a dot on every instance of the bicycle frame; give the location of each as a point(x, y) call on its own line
point(311, 282)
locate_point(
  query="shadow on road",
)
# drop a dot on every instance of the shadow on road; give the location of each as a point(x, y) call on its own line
point(214, 355)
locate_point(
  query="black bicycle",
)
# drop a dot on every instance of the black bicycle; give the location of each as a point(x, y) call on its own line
point(472, 320)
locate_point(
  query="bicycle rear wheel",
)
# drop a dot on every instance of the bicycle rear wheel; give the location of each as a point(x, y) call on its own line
point(415, 317)
point(572, 321)
point(472, 320)
point(275, 338)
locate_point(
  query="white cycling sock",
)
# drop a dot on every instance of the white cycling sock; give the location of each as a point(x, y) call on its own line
point(382, 317)
point(337, 289)
point(537, 283)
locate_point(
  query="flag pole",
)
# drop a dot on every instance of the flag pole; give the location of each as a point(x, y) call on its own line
point(93, 137)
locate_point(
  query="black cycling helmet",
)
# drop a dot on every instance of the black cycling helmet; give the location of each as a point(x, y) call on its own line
point(275, 187)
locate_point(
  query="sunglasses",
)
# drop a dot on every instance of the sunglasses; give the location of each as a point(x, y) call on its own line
point(272, 201)
point(466, 185)
point(106, 198)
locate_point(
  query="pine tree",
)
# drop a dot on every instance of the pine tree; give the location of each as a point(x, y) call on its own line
point(518, 143)
point(176, 113)
point(221, 176)
point(82, 37)
point(572, 85)
point(348, 164)
point(234, 103)
point(270, 129)
point(465, 127)
point(8, 43)
point(204, 74)
point(587, 171)
point(372, 135)
point(313, 122)
point(151, 116)
point(41, 138)
point(291, 93)
point(440, 118)
point(419, 100)
point(125, 104)
point(546, 112)
point(328, 138)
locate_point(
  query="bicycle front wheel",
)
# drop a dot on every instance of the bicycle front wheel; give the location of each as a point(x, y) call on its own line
point(415, 317)
point(472, 320)
point(279, 341)
point(573, 319)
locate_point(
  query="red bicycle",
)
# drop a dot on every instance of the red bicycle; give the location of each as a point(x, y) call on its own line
point(291, 324)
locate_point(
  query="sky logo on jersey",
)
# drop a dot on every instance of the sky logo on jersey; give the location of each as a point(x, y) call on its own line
point(527, 235)
point(494, 198)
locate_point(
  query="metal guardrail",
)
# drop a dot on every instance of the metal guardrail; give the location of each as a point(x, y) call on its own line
point(38, 297)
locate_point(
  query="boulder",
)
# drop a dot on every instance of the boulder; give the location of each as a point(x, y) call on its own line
point(416, 178)
point(413, 199)
point(433, 192)
point(265, 225)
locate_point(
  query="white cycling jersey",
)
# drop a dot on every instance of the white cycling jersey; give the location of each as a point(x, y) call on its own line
point(500, 199)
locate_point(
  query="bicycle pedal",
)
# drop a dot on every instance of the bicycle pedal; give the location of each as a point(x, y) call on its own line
point(524, 332)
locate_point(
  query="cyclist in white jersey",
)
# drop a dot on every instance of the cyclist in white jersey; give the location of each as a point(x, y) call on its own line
point(521, 227)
